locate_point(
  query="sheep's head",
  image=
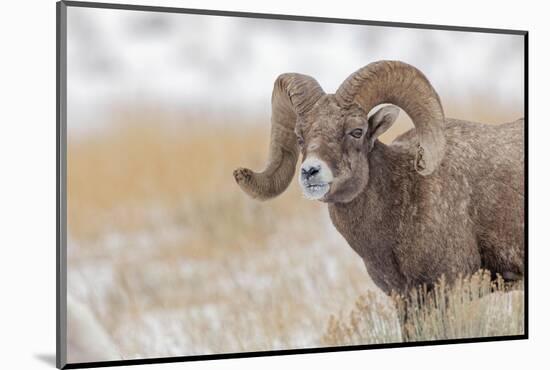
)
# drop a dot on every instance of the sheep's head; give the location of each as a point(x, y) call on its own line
point(335, 143)
point(334, 134)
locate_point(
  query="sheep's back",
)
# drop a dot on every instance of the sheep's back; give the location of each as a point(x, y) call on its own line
point(485, 163)
point(484, 153)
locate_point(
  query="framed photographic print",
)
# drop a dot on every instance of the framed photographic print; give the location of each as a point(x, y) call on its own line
point(235, 184)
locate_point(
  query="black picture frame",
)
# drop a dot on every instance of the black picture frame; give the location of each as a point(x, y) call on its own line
point(61, 185)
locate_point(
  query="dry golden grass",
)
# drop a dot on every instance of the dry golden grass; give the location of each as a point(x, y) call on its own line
point(148, 162)
point(372, 320)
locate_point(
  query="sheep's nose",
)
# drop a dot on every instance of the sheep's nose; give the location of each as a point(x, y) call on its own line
point(310, 171)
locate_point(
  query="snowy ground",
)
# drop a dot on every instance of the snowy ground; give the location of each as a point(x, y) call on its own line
point(276, 297)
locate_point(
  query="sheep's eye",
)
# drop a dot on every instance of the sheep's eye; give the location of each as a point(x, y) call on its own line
point(300, 141)
point(357, 133)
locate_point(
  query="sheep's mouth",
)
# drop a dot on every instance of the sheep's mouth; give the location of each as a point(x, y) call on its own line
point(316, 187)
point(315, 191)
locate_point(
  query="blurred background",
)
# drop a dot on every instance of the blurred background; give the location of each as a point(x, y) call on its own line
point(166, 253)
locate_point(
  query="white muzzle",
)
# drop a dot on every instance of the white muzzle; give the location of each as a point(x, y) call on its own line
point(315, 178)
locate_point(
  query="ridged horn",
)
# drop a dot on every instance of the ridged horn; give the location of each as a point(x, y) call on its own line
point(293, 96)
point(403, 85)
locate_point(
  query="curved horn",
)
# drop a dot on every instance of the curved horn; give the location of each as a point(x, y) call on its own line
point(293, 96)
point(403, 85)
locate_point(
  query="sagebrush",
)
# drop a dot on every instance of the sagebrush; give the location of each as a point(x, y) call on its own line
point(471, 307)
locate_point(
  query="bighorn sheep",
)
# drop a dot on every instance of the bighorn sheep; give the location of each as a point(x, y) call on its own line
point(446, 198)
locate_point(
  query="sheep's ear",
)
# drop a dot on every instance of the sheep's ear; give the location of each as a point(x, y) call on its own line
point(380, 121)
